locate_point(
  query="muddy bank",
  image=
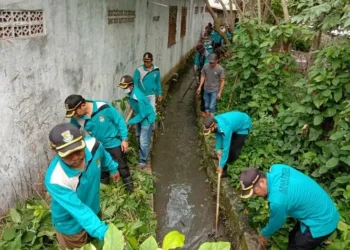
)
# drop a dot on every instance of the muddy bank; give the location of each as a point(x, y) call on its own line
point(241, 235)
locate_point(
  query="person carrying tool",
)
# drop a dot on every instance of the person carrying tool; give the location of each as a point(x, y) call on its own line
point(144, 117)
point(213, 79)
point(231, 130)
point(147, 79)
point(200, 59)
point(292, 193)
point(102, 121)
point(73, 182)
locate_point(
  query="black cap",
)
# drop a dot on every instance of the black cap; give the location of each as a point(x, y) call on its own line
point(71, 103)
point(208, 122)
point(148, 56)
point(248, 178)
point(200, 47)
point(125, 81)
point(65, 138)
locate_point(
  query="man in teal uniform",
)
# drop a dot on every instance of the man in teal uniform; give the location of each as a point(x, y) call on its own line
point(217, 40)
point(147, 79)
point(73, 182)
point(102, 121)
point(144, 117)
point(292, 193)
point(231, 130)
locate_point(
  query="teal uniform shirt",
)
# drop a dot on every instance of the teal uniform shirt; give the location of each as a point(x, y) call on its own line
point(76, 193)
point(143, 110)
point(229, 123)
point(292, 193)
point(106, 124)
point(216, 38)
point(148, 81)
point(197, 57)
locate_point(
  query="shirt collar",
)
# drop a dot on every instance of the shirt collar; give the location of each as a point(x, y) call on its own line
point(94, 109)
point(268, 180)
point(71, 172)
point(145, 69)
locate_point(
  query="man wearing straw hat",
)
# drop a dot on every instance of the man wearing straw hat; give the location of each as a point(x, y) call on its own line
point(231, 130)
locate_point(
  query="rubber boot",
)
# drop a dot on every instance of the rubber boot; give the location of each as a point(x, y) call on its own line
point(105, 178)
point(129, 185)
point(224, 172)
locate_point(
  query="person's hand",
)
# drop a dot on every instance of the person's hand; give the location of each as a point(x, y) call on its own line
point(219, 96)
point(198, 91)
point(124, 146)
point(219, 170)
point(116, 177)
point(262, 240)
point(218, 154)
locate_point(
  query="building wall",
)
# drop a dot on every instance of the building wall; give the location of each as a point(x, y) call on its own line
point(80, 53)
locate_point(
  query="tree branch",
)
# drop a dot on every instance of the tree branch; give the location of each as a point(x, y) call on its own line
point(285, 11)
point(216, 22)
point(273, 14)
point(239, 9)
point(225, 11)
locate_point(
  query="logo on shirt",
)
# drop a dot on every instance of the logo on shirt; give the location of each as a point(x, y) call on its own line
point(98, 163)
point(101, 117)
point(155, 75)
point(67, 136)
point(215, 73)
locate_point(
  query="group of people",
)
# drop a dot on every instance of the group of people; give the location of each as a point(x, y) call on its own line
point(288, 191)
point(81, 163)
point(74, 175)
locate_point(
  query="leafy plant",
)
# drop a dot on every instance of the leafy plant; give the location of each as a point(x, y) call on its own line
point(29, 226)
point(299, 120)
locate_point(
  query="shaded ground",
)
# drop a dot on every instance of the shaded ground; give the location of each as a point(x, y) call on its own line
point(183, 198)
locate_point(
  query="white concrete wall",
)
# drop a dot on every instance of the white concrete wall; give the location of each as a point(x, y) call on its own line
point(80, 53)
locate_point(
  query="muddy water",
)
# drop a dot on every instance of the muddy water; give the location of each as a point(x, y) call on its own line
point(183, 198)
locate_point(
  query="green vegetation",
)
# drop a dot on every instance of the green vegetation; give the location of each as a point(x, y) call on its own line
point(173, 240)
point(29, 226)
point(300, 120)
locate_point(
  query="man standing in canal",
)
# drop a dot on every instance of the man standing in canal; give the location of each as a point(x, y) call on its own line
point(231, 130)
point(73, 182)
point(213, 79)
point(147, 79)
point(102, 121)
point(292, 193)
point(200, 59)
point(144, 117)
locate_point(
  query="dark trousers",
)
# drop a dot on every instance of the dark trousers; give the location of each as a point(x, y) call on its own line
point(304, 241)
point(237, 142)
point(202, 100)
point(119, 156)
